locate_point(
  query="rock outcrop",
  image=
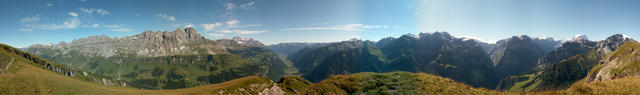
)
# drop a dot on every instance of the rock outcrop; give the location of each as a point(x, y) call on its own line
point(625, 61)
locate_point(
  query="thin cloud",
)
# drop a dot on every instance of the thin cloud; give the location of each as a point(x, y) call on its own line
point(73, 14)
point(49, 4)
point(92, 26)
point(232, 23)
point(102, 12)
point(215, 34)
point(112, 26)
point(74, 20)
point(248, 5)
point(242, 31)
point(231, 27)
point(94, 10)
point(229, 6)
point(70, 23)
point(122, 30)
point(347, 27)
point(165, 16)
point(30, 19)
point(117, 28)
point(210, 27)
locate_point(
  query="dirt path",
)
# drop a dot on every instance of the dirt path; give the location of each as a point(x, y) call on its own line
point(7, 68)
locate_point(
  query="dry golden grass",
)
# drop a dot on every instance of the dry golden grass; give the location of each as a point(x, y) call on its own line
point(33, 80)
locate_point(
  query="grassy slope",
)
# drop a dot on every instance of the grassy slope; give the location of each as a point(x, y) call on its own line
point(393, 83)
point(23, 76)
point(622, 86)
point(28, 79)
point(555, 76)
point(293, 85)
point(622, 62)
point(420, 83)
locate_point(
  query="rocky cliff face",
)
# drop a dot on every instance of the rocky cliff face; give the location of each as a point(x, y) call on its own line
point(612, 43)
point(148, 44)
point(178, 59)
point(578, 45)
point(435, 53)
point(625, 61)
point(566, 65)
point(515, 55)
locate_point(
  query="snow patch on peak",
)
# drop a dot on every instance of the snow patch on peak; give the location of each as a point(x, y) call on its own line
point(467, 38)
point(579, 37)
point(241, 40)
point(544, 37)
point(626, 36)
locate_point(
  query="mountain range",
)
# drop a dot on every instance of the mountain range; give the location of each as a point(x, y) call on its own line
point(510, 64)
point(166, 60)
point(186, 62)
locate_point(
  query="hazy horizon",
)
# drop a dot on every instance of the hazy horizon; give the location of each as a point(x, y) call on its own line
point(271, 22)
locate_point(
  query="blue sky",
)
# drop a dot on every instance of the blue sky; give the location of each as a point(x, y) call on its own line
point(27, 22)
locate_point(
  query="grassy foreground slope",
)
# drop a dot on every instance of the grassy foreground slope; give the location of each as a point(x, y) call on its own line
point(624, 61)
point(22, 73)
point(369, 83)
point(621, 86)
point(556, 76)
point(28, 79)
point(393, 83)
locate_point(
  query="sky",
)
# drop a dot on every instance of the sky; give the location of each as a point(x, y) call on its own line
point(28, 22)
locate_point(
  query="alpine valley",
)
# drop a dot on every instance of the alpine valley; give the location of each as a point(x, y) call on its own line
point(184, 62)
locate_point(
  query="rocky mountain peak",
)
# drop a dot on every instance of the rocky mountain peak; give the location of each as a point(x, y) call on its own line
point(520, 37)
point(612, 43)
point(408, 35)
point(436, 35)
point(579, 38)
point(245, 41)
point(617, 37)
point(179, 35)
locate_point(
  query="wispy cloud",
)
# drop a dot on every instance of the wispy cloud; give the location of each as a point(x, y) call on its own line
point(122, 30)
point(73, 14)
point(30, 19)
point(248, 5)
point(165, 16)
point(347, 27)
point(242, 31)
point(229, 6)
point(230, 27)
point(94, 10)
point(73, 21)
point(210, 27)
point(112, 26)
point(117, 28)
point(92, 26)
point(30, 24)
point(49, 3)
point(231, 23)
point(215, 34)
